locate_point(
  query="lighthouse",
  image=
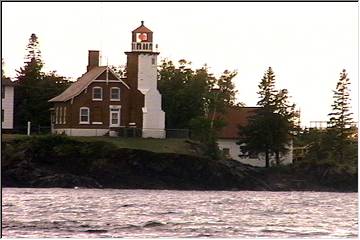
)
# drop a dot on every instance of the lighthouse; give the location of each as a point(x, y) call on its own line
point(142, 76)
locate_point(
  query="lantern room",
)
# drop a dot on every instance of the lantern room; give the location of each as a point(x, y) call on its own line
point(142, 39)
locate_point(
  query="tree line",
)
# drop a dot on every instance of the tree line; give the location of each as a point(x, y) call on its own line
point(192, 98)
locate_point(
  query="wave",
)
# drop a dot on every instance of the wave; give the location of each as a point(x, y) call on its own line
point(96, 231)
point(153, 224)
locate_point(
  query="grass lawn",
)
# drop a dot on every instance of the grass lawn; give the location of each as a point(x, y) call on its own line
point(169, 145)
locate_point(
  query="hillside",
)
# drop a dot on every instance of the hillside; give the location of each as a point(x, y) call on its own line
point(60, 161)
point(169, 145)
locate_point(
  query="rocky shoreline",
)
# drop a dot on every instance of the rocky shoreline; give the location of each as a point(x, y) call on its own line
point(72, 164)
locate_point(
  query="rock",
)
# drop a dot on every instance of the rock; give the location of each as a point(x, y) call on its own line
point(65, 181)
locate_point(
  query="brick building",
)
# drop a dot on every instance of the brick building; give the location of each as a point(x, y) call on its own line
point(100, 102)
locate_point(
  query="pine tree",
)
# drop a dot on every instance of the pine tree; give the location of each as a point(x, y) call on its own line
point(35, 88)
point(267, 91)
point(28, 77)
point(269, 130)
point(340, 117)
point(227, 87)
point(286, 123)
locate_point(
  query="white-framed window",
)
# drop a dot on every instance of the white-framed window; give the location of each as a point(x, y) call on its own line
point(84, 115)
point(97, 93)
point(115, 94)
point(60, 115)
point(64, 115)
point(56, 115)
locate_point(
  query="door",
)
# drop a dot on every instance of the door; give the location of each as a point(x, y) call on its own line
point(115, 117)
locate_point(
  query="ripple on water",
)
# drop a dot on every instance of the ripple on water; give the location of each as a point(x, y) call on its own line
point(96, 213)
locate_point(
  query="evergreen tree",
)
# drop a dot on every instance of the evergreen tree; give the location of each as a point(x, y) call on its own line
point(227, 88)
point(340, 123)
point(286, 123)
point(268, 131)
point(267, 91)
point(28, 77)
point(35, 88)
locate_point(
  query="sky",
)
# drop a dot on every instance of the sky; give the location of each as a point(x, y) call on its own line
point(306, 44)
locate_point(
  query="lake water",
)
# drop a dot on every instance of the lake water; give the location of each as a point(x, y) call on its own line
point(88, 213)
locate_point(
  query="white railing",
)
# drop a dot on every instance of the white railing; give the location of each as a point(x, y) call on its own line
point(142, 46)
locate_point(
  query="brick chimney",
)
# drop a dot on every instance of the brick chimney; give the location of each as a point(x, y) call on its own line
point(93, 59)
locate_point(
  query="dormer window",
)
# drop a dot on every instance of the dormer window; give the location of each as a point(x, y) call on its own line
point(97, 94)
point(115, 94)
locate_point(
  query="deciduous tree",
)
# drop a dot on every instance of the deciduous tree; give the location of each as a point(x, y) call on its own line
point(190, 101)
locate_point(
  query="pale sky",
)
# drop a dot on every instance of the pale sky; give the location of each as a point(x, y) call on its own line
point(306, 44)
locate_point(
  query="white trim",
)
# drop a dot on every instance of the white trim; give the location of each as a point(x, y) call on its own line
point(116, 75)
point(81, 131)
point(115, 106)
point(115, 99)
point(94, 80)
point(92, 93)
point(88, 115)
point(113, 81)
point(97, 123)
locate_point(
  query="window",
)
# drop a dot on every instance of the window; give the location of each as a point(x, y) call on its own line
point(153, 61)
point(60, 115)
point(56, 115)
point(226, 152)
point(114, 118)
point(2, 92)
point(64, 115)
point(97, 93)
point(115, 94)
point(2, 115)
point(84, 115)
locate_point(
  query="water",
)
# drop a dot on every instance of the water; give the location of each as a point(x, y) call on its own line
point(87, 213)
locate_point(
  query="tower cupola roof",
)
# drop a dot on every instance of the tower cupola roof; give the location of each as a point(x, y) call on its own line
point(142, 29)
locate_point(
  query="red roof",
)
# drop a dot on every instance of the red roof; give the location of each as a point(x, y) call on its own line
point(234, 117)
point(142, 29)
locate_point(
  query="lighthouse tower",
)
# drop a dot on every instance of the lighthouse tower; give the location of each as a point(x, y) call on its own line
point(142, 75)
